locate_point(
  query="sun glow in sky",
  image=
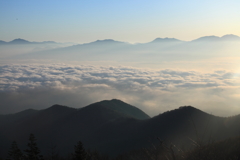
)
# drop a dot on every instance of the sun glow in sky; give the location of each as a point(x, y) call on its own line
point(127, 20)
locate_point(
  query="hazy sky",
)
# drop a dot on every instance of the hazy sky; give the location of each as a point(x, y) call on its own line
point(125, 20)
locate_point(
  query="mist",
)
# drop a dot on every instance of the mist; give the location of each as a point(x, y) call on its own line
point(157, 76)
point(154, 91)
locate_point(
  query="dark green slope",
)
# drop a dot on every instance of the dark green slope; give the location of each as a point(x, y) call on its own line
point(101, 125)
point(42, 123)
point(187, 125)
point(123, 108)
point(97, 125)
point(112, 127)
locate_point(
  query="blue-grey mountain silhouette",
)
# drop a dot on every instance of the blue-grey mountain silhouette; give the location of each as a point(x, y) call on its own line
point(19, 41)
point(165, 40)
point(228, 37)
point(2, 42)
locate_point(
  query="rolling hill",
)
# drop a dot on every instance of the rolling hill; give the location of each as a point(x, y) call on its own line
point(112, 127)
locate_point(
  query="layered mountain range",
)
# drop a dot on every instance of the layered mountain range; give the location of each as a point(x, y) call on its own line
point(228, 37)
point(112, 127)
point(159, 50)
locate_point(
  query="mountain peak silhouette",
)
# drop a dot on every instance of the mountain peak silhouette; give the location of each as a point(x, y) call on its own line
point(19, 41)
point(230, 37)
point(106, 41)
point(165, 40)
point(122, 108)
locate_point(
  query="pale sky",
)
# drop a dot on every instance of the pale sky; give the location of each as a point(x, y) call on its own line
point(126, 20)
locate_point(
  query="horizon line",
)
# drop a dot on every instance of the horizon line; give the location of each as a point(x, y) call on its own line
point(122, 41)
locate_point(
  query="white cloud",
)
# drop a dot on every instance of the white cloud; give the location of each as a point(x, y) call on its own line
point(154, 91)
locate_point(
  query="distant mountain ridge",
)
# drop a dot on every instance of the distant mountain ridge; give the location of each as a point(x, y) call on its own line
point(112, 127)
point(165, 40)
point(228, 37)
point(20, 41)
point(106, 41)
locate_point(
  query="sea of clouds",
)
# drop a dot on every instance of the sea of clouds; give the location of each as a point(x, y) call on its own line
point(153, 91)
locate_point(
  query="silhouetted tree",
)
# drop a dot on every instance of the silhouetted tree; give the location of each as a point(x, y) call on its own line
point(53, 154)
point(95, 155)
point(15, 153)
point(33, 152)
point(79, 152)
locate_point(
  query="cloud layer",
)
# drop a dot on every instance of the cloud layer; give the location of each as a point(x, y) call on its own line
point(153, 91)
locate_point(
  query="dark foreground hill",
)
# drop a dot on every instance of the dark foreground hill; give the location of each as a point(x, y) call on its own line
point(112, 127)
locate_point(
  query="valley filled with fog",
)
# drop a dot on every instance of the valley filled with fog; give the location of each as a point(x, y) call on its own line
point(157, 76)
